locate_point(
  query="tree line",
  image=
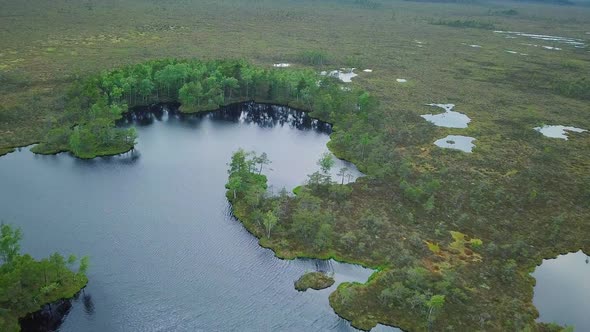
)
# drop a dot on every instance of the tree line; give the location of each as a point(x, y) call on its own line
point(93, 104)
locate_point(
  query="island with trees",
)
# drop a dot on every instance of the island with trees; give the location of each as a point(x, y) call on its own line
point(27, 284)
point(313, 280)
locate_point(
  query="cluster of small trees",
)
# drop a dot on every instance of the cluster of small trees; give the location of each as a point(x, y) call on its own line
point(413, 293)
point(89, 132)
point(27, 284)
point(304, 220)
point(247, 191)
point(420, 290)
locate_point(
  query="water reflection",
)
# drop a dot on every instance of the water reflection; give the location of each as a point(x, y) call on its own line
point(52, 316)
point(88, 304)
point(263, 115)
point(127, 158)
point(324, 266)
point(49, 318)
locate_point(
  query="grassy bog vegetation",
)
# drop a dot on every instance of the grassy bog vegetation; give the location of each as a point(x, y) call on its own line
point(27, 284)
point(454, 236)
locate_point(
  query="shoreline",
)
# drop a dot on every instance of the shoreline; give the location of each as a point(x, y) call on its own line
point(56, 315)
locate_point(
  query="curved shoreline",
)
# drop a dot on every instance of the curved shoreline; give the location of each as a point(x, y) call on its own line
point(321, 256)
point(10, 149)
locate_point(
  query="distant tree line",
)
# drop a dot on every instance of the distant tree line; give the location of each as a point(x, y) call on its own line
point(474, 24)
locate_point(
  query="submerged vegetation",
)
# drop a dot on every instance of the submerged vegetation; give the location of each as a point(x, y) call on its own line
point(27, 284)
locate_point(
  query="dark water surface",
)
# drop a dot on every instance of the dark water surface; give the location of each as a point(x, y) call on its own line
point(166, 255)
point(562, 292)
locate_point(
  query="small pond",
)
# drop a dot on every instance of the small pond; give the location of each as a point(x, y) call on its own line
point(558, 131)
point(449, 118)
point(456, 142)
point(345, 75)
point(562, 292)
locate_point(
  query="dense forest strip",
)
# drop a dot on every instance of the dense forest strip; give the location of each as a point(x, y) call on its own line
point(26, 284)
point(88, 129)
